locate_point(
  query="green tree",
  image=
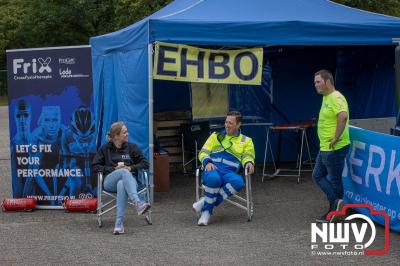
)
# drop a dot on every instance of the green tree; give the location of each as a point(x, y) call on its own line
point(58, 22)
point(11, 13)
point(46, 23)
point(388, 7)
point(128, 11)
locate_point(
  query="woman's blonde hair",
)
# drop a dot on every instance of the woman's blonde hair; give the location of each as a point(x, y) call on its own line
point(115, 130)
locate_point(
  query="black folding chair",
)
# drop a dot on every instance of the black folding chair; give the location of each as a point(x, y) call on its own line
point(193, 136)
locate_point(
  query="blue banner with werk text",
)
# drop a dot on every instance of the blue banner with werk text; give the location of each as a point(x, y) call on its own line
point(372, 174)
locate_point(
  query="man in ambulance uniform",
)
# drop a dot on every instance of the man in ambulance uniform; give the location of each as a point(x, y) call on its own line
point(222, 156)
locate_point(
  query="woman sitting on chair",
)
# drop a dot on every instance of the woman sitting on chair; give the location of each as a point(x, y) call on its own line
point(119, 160)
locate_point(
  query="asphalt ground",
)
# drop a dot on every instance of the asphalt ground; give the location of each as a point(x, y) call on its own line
point(279, 234)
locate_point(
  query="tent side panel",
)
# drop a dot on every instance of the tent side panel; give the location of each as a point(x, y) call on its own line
point(134, 97)
point(120, 84)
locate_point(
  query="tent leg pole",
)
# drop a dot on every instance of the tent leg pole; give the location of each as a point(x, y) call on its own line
point(151, 144)
point(397, 75)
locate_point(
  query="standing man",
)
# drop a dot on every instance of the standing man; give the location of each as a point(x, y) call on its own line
point(333, 134)
point(222, 156)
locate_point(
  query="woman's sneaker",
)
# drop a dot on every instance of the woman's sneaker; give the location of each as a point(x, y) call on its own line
point(142, 207)
point(119, 227)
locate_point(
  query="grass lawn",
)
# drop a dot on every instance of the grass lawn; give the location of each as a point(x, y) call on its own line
point(3, 100)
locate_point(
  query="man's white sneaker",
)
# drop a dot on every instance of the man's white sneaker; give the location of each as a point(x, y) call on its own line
point(198, 205)
point(119, 227)
point(205, 216)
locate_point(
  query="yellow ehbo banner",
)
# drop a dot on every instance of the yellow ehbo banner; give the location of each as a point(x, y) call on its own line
point(188, 63)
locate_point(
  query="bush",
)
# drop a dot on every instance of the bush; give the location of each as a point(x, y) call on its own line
point(3, 83)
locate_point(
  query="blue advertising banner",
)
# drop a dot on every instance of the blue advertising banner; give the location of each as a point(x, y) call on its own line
point(372, 174)
point(52, 131)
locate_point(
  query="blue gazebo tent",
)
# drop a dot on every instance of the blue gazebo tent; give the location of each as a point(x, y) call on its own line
point(298, 37)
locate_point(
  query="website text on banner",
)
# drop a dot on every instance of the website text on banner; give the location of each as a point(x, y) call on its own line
point(192, 64)
point(52, 131)
point(372, 174)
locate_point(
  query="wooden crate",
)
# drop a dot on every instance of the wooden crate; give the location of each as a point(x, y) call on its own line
point(173, 115)
point(168, 132)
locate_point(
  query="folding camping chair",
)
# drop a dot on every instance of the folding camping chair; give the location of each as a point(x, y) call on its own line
point(193, 135)
point(245, 204)
point(104, 207)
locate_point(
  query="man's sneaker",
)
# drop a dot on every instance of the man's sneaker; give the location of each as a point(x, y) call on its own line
point(198, 205)
point(119, 227)
point(205, 216)
point(338, 206)
point(142, 207)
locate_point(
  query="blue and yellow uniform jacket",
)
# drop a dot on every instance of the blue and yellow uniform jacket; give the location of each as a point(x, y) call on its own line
point(227, 154)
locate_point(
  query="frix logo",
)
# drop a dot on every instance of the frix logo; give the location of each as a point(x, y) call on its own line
point(45, 64)
point(31, 66)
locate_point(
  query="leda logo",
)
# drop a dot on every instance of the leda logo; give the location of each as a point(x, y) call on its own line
point(32, 66)
point(66, 71)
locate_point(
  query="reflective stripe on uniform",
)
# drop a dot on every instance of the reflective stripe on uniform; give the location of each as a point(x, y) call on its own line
point(211, 190)
point(227, 162)
point(210, 200)
point(217, 160)
point(222, 193)
point(205, 151)
point(218, 148)
point(230, 188)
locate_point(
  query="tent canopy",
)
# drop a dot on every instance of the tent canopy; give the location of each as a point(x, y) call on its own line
point(121, 59)
point(255, 22)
